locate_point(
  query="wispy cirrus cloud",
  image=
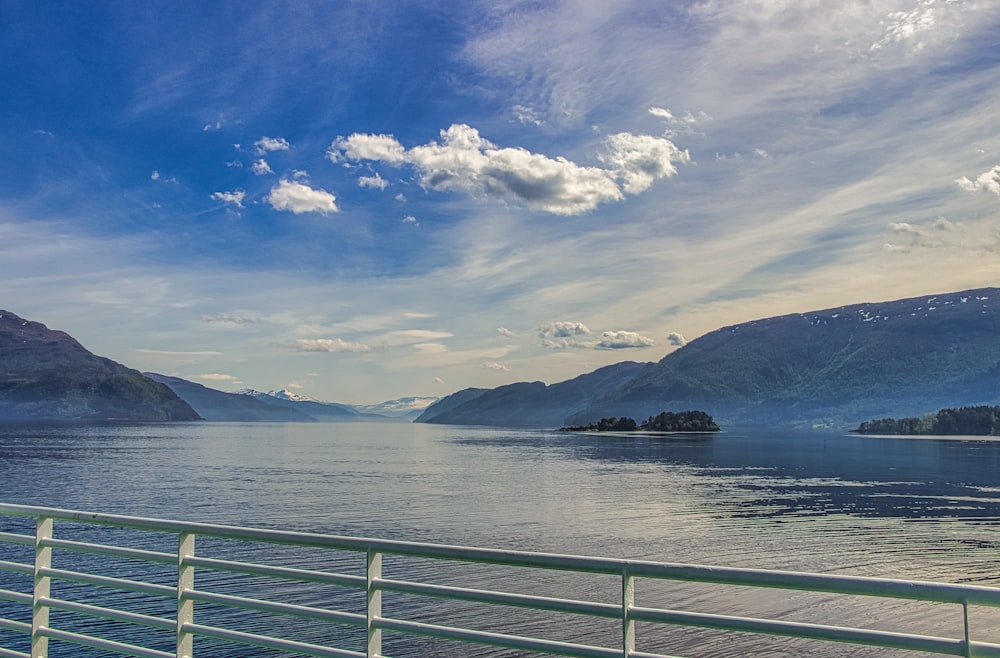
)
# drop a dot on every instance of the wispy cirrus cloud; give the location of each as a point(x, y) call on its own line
point(332, 345)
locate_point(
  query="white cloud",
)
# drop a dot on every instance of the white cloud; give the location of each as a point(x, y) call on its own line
point(300, 174)
point(260, 167)
point(505, 332)
point(235, 197)
point(616, 340)
point(676, 339)
point(217, 377)
point(527, 116)
point(327, 345)
point(438, 380)
point(268, 144)
point(430, 348)
point(463, 161)
point(300, 198)
point(157, 176)
point(562, 335)
point(420, 335)
point(497, 366)
point(988, 181)
point(410, 219)
point(638, 160)
point(367, 147)
point(376, 182)
point(684, 124)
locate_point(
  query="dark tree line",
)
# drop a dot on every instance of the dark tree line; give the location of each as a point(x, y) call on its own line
point(668, 421)
point(983, 420)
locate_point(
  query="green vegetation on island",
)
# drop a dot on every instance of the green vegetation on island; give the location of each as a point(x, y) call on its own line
point(983, 420)
point(668, 421)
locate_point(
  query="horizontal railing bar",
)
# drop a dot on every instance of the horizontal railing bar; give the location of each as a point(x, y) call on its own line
point(928, 591)
point(100, 643)
point(15, 597)
point(114, 551)
point(496, 639)
point(300, 611)
point(16, 626)
point(288, 573)
point(16, 567)
point(887, 639)
point(501, 598)
point(984, 649)
point(14, 538)
point(107, 581)
point(110, 613)
point(8, 653)
point(251, 639)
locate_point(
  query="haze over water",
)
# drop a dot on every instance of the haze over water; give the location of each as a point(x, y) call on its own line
point(918, 509)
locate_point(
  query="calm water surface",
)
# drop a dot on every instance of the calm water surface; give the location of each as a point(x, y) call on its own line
point(914, 508)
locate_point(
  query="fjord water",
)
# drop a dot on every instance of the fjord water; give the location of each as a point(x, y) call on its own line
point(925, 509)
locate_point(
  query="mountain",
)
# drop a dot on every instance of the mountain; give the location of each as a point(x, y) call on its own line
point(325, 411)
point(46, 374)
point(529, 404)
point(219, 406)
point(832, 368)
point(408, 408)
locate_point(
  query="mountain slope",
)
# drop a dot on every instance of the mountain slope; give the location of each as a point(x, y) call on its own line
point(834, 367)
point(46, 374)
point(830, 366)
point(530, 404)
point(215, 405)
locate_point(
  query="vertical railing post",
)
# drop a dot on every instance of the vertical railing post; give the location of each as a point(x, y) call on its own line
point(185, 605)
point(373, 603)
point(41, 589)
point(968, 636)
point(628, 624)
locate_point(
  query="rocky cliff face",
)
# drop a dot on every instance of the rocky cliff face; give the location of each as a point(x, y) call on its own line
point(48, 375)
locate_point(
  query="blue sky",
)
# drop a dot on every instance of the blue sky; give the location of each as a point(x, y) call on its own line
point(367, 200)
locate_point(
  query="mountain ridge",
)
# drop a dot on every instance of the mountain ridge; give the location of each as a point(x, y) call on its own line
point(47, 374)
point(826, 368)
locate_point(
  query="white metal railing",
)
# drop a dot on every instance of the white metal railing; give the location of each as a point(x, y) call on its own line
point(175, 626)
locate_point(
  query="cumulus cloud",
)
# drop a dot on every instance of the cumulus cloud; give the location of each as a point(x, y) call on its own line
point(638, 160)
point(367, 147)
point(376, 182)
point(463, 161)
point(268, 144)
point(676, 339)
point(235, 197)
point(562, 335)
point(505, 332)
point(300, 198)
point(260, 167)
point(497, 366)
point(988, 181)
point(617, 340)
point(410, 219)
point(327, 345)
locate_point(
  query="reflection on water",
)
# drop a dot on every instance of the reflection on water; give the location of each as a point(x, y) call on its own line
point(922, 509)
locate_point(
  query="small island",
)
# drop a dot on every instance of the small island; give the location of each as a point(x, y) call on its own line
point(969, 421)
point(668, 421)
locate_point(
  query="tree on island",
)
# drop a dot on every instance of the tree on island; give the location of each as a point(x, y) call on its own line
point(668, 421)
point(971, 421)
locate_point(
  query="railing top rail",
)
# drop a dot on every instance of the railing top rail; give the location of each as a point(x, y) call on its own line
point(859, 585)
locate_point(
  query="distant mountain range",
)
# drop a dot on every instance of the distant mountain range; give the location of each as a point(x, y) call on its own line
point(829, 368)
point(48, 375)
